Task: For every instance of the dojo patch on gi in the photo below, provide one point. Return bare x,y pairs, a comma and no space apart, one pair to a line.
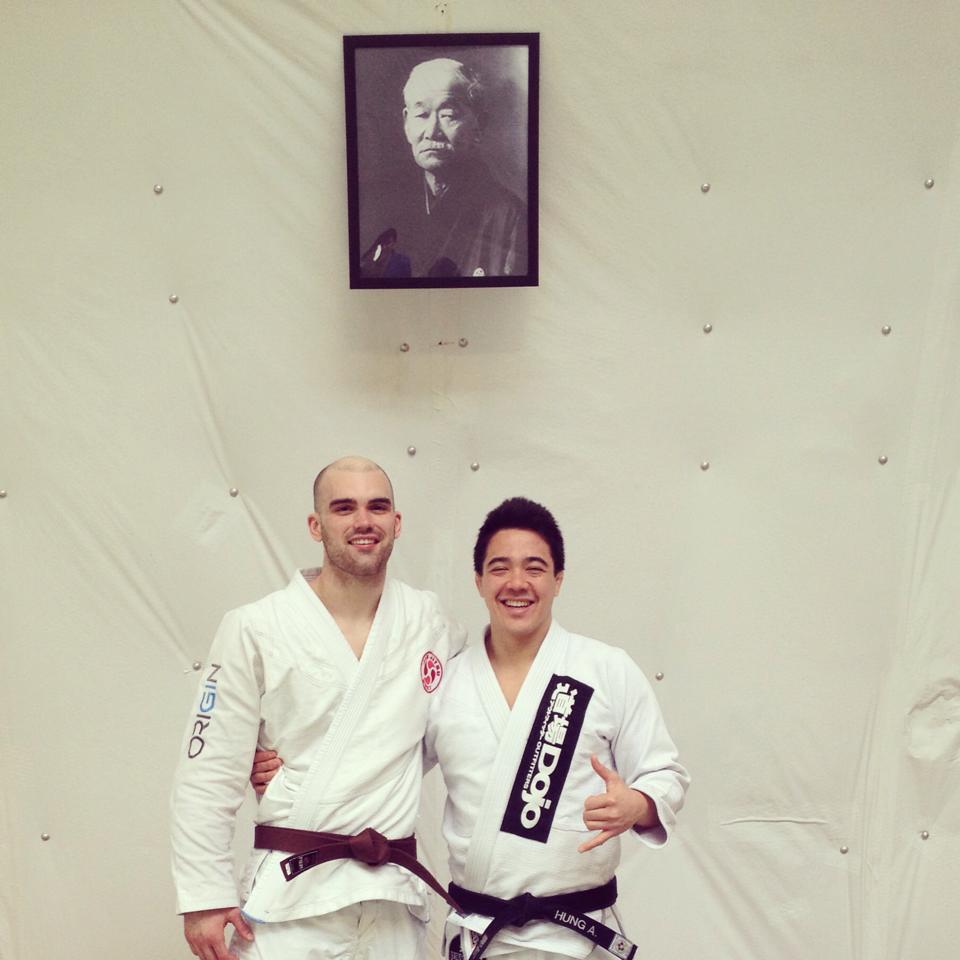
431,671
546,759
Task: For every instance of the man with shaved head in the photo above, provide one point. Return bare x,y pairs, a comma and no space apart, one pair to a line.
449,217
552,746
335,673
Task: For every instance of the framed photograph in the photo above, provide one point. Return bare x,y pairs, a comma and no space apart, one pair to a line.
442,159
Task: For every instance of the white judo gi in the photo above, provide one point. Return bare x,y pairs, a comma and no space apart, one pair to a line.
517,778
281,675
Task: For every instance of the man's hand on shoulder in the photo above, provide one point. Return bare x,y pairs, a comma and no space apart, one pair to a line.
617,809
266,763
204,931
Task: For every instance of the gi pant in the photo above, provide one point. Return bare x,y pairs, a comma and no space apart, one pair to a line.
596,954
371,930
455,936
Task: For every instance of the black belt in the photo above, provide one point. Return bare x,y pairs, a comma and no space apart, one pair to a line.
564,909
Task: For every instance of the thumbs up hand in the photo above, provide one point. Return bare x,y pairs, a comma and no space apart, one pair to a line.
615,810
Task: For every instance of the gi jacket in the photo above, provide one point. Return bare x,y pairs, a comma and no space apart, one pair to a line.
281,674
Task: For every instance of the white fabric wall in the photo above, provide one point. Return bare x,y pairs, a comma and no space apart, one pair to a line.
799,597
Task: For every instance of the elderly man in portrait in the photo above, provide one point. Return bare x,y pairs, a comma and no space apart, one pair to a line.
450,217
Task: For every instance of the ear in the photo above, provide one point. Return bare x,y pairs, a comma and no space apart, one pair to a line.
313,525
397,524
559,579
476,579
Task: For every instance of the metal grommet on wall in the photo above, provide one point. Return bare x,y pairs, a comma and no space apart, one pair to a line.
174,298
704,187
705,465
404,347
475,466
928,183
158,188
196,664
234,492
411,451
886,330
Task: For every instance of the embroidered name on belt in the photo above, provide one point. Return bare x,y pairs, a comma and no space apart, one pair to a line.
546,759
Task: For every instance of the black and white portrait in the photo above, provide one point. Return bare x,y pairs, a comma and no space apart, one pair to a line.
441,138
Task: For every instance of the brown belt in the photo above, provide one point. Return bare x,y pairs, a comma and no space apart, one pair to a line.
368,846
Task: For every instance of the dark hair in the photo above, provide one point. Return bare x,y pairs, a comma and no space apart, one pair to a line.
519,513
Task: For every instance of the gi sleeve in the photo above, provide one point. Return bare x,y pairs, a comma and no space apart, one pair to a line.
643,752
430,739
448,638
214,767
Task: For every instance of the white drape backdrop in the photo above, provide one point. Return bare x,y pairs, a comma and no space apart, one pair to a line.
799,596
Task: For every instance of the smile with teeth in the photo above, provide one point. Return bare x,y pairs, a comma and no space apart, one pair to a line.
516,603
363,541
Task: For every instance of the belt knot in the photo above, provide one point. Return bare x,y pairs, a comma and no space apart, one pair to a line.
370,847
523,909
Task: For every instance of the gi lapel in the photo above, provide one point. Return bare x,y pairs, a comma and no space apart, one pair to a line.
352,708
511,728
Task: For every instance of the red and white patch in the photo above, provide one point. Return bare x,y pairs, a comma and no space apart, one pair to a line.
431,671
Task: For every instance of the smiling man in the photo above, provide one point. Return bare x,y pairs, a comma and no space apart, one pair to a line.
453,218
341,659
551,745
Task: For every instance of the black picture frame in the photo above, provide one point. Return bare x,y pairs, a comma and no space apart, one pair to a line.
481,230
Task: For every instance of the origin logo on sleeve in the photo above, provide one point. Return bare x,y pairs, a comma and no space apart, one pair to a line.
546,759
208,700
